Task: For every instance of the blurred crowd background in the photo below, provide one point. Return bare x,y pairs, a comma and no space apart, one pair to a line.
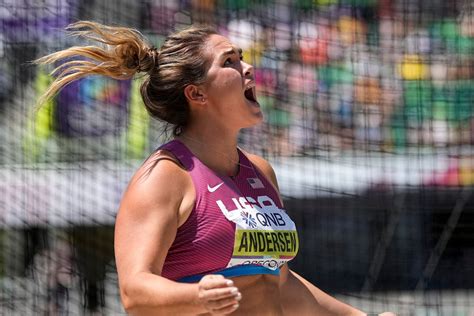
332,75
369,122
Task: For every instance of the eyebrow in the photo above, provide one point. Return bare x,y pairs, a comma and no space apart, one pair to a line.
232,51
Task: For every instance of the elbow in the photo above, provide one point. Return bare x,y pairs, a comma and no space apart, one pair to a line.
129,300
135,302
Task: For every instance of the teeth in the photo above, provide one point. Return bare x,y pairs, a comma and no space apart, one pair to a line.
250,86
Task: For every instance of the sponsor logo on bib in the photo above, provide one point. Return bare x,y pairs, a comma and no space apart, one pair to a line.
264,233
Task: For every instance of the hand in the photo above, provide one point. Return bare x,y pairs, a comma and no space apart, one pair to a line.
218,295
387,314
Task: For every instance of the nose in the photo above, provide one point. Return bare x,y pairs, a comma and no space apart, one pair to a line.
247,70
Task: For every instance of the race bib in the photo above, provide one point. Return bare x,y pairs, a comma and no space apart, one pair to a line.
264,234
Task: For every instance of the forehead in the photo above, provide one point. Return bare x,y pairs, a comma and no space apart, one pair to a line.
218,44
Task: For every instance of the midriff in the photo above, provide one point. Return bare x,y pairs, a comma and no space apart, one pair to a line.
260,295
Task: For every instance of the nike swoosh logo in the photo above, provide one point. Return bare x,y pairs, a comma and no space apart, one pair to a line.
214,188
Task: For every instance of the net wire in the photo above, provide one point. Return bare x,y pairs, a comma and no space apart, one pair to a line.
369,125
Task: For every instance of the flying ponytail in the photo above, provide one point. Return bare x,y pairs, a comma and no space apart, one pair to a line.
122,52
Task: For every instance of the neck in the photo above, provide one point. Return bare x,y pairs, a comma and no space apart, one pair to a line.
216,148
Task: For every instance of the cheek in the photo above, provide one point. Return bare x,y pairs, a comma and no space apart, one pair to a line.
225,83
230,78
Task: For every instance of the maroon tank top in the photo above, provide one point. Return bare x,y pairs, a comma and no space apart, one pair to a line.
237,226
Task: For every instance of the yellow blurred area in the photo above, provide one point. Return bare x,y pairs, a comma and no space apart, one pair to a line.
325,2
253,55
413,68
43,115
351,30
466,172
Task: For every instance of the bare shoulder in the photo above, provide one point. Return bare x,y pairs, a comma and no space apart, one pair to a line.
161,162
154,205
159,173
160,183
264,167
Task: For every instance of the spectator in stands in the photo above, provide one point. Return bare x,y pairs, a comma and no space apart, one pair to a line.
201,227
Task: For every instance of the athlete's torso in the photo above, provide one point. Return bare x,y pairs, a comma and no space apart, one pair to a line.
237,226
260,295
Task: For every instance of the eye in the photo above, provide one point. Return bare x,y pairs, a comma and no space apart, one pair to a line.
229,61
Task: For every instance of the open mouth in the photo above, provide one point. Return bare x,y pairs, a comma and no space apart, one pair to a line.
250,93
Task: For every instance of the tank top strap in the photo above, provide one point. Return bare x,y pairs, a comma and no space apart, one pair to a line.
246,167
181,152
250,174
200,173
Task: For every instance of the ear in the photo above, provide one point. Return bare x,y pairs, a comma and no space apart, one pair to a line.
194,94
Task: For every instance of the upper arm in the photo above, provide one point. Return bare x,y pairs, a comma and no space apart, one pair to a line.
149,217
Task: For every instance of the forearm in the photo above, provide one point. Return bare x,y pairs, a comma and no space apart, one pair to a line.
299,297
150,294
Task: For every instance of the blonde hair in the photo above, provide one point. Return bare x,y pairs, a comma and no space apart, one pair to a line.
124,52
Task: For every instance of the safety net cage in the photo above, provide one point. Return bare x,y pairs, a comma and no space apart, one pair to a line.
368,122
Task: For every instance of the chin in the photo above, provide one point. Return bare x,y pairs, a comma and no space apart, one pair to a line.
256,120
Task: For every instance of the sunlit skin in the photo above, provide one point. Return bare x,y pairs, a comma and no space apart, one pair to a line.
219,107
227,80
161,196
216,122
